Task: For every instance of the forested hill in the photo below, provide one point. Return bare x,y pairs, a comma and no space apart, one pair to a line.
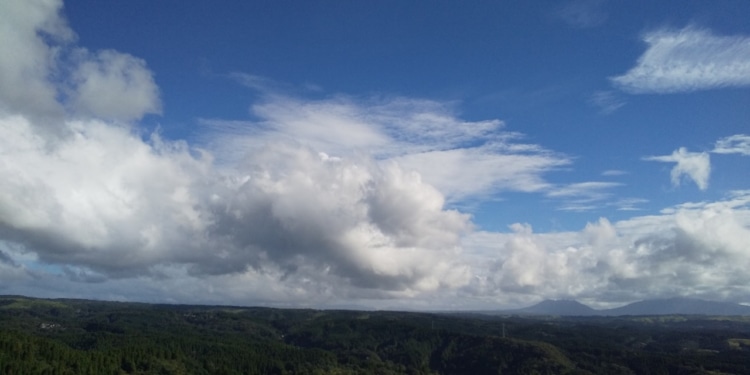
668,306
89,337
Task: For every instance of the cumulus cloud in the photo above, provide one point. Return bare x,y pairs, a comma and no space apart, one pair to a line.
96,203
40,64
27,61
463,159
694,165
331,199
113,85
697,250
107,201
734,144
689,59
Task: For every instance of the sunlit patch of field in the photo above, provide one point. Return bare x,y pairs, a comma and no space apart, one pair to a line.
22,303
738,343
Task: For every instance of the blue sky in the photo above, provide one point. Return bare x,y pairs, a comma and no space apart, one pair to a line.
376,154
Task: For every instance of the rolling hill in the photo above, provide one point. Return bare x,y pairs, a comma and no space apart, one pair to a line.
669,306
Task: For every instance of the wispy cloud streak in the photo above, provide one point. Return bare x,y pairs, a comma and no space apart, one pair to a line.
689,59
734,144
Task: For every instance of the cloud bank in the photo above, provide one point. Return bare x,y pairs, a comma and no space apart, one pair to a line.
96,201
696,249
686,60
106,200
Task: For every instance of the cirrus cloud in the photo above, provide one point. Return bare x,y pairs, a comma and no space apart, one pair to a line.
734,144
686,60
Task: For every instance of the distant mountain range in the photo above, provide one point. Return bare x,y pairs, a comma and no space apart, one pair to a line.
670,306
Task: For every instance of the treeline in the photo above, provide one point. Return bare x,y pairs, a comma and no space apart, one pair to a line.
87,337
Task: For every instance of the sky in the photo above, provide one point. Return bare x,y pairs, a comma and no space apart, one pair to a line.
375,155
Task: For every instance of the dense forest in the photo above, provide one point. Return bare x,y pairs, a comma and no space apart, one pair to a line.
91,337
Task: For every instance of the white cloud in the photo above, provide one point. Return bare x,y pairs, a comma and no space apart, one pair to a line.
734,144
583,13
470,173
462,159
606,101
696,250
688,60
695,165
90,196
26,61
97,204
628,204
151,210
582,189
614,172
106,201
253,81
296,211
296,208
114,85
582,196
40,64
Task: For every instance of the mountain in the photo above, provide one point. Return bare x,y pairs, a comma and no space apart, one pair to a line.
559,307
683,306
669,306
